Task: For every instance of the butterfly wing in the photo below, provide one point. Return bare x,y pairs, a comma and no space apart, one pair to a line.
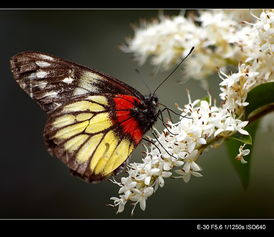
89,126
94,135
52,81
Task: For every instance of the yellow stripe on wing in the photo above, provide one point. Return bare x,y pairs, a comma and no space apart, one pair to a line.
110,154
98,99
86,134
74,143
63,121
104,152
82,106
99,123
85,152
83,116
69,131
119,156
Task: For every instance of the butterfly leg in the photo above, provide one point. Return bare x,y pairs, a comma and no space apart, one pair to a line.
162,145
170,110
160,113
151,142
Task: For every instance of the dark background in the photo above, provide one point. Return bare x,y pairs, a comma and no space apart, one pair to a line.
35,185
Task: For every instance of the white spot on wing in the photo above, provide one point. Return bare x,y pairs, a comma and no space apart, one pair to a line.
79,91
68,80
42,64
51,94
41,74
94,76
42,84
87,83
46,57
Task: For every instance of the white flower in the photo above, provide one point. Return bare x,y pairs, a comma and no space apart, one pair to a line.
242,153
127,185
236,86
187,175
120,202
148,172
141,196
160,180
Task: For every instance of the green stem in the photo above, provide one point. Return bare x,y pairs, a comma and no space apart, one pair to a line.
260,113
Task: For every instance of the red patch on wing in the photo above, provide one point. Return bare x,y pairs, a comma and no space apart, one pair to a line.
123,104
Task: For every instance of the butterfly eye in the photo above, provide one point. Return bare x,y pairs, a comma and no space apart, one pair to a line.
154,101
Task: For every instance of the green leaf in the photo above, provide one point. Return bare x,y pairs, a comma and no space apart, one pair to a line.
259,97
206,98
246,139
243,170
261,101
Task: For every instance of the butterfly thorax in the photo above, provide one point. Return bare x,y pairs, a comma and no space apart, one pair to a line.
146,112
136,115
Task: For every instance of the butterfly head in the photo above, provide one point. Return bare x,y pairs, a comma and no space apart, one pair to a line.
152,100
152,103
146,112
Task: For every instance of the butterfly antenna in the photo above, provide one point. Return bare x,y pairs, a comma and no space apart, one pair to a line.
174,70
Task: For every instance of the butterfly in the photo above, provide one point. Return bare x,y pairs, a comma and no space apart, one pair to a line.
95,121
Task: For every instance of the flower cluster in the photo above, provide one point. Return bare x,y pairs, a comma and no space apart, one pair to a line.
220,38
202,124
166,40
234,88
258,67
179,145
